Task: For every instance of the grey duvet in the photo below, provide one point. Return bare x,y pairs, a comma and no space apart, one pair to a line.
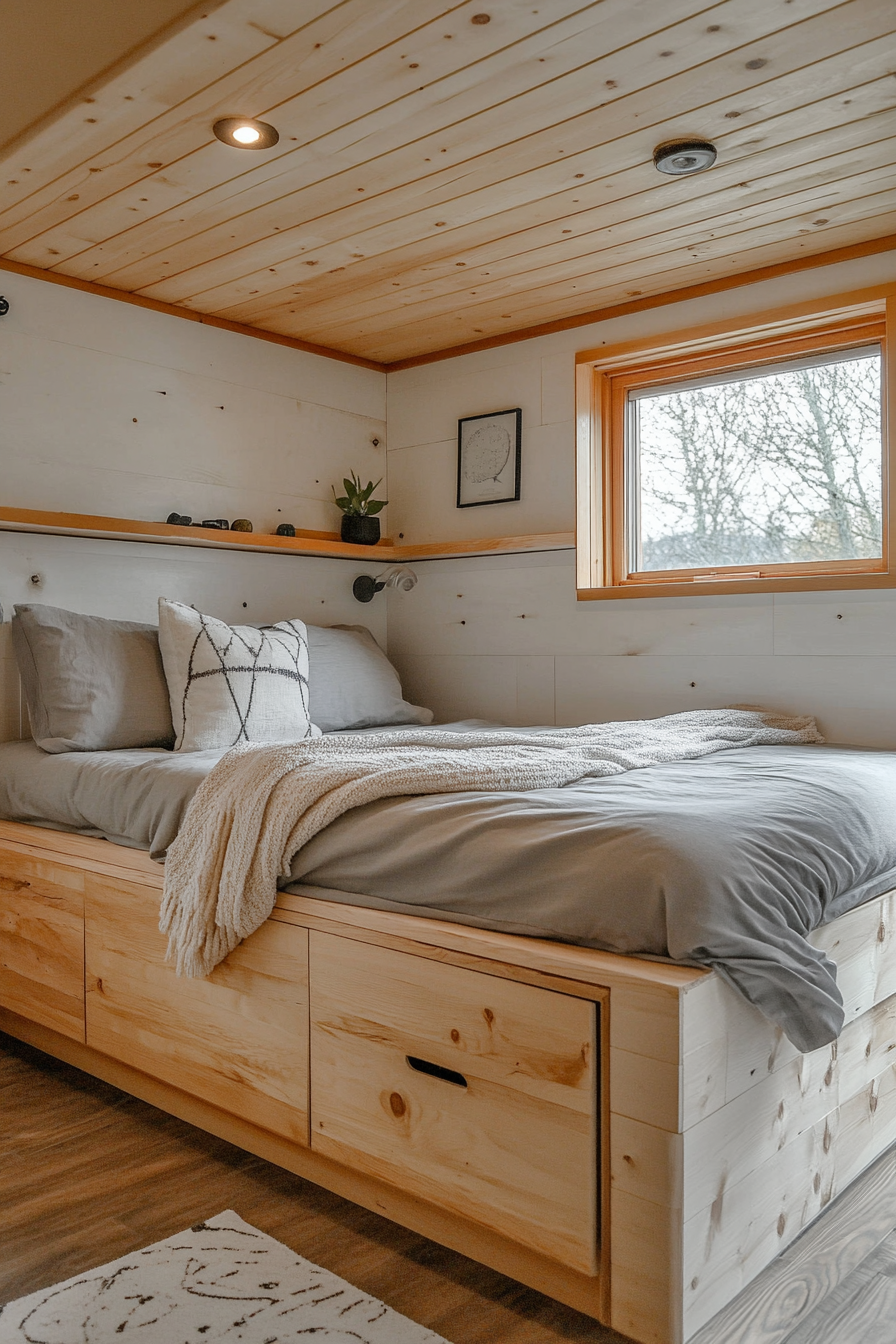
727,861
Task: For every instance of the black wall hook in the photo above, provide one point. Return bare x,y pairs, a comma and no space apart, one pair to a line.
364,588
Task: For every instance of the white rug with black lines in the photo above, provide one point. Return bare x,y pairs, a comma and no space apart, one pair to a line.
221,1280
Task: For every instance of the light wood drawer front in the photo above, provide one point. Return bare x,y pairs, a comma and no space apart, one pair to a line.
42,942
238,1039
511,1142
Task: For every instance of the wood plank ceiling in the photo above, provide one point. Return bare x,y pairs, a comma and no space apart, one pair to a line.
451,172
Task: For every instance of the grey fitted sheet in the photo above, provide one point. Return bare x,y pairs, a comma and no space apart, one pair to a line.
727,861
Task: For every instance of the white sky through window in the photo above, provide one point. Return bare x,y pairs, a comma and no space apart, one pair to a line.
772,467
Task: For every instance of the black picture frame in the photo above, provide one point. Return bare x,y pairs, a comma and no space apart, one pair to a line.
493,440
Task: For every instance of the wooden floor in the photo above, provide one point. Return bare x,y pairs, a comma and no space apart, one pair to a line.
88,1173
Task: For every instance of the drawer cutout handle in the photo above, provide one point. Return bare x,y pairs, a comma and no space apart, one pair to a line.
436,1071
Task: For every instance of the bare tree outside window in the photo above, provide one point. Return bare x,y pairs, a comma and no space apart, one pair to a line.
768,468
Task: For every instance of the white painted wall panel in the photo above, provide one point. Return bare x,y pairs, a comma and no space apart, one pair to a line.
477,687
53,313
845,623
526,604
109,408
466,619
88,432
852,700
558,400
426,412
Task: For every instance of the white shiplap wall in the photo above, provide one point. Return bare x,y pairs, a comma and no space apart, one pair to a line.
84,428
113,409
504,637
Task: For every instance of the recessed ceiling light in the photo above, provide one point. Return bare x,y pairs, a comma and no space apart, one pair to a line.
246,133
680,158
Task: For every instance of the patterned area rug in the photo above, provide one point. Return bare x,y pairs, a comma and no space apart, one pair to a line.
221,1280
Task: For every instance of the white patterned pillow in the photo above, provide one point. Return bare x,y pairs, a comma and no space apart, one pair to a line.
233,683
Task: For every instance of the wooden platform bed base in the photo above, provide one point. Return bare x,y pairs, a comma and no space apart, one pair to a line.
629,1137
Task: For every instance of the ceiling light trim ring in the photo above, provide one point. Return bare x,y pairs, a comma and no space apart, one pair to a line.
228,129
681,158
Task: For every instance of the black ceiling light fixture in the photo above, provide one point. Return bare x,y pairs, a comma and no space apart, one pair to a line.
680,158
246,133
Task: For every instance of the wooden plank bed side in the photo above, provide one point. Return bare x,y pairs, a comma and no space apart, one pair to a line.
584,1292
752,1221
42,940
82,851
770,1135
730,1046
576,963
237,1038
722,1142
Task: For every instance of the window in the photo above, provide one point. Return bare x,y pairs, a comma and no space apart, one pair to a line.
755,457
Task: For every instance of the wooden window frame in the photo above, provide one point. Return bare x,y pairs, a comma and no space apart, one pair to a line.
604,378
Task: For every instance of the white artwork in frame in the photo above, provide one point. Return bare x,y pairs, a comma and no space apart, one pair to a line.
489,449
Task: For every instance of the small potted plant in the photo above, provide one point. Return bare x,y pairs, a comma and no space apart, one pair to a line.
359,523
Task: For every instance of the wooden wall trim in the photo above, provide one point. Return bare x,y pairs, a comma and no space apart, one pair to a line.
174,310
872,247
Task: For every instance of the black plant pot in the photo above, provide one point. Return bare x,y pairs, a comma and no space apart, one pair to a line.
360,529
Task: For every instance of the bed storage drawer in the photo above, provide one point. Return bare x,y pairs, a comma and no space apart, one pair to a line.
42,941
238,1039
473,1092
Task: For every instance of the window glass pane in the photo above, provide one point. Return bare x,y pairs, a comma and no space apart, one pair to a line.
770,468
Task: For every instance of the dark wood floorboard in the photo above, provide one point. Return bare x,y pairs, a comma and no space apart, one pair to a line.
88,1173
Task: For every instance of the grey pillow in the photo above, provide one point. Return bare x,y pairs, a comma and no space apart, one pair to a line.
91,684
352,683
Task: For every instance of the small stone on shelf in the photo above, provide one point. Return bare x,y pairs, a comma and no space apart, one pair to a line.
286,530
241,525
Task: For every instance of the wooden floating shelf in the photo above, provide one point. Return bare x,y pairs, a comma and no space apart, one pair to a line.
308,543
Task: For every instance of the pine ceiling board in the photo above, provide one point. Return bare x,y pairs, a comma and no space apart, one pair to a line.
622,262
852,177
785,116
330,152
668,252
401,175
518,183
508,176
353,67
659,276
334,37
808,162
53,163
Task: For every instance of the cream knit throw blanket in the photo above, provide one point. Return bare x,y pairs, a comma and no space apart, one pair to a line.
261,804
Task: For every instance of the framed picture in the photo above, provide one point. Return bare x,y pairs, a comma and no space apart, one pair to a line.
489,448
